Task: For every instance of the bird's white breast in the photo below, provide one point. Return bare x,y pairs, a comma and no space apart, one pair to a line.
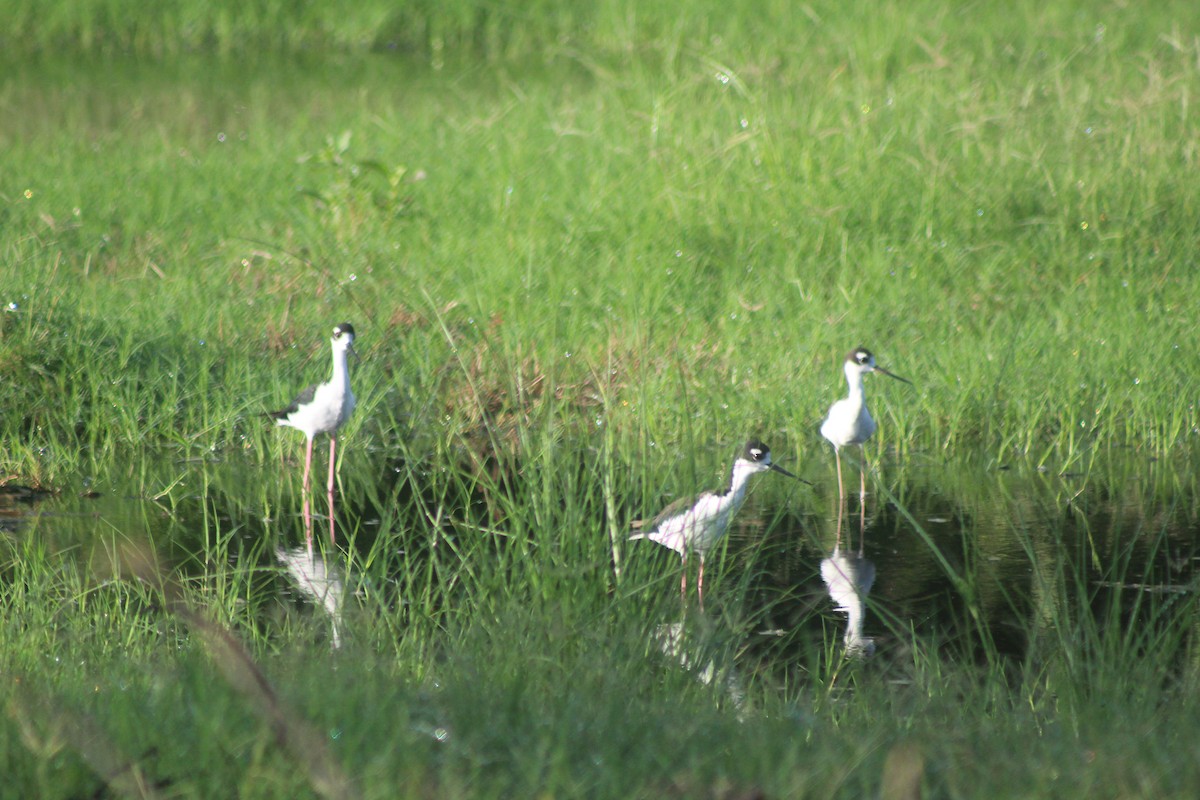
849,422
331,406
698,527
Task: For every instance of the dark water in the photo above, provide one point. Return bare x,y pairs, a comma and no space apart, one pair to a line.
987,557
981,557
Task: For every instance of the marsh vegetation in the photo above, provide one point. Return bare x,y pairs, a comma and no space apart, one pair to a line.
587,254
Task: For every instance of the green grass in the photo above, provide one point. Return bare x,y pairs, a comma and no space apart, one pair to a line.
588,251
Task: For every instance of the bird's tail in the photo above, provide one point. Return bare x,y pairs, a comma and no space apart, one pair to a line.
641,529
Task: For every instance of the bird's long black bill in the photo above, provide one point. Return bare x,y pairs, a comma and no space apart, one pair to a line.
783,471
358,358
893,375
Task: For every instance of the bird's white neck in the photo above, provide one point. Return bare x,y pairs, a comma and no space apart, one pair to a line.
341,367
742,470
854,377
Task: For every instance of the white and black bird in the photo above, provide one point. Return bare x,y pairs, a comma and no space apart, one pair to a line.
323,408
849,422
695,524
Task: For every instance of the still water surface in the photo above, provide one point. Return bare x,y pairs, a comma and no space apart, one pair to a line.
948,550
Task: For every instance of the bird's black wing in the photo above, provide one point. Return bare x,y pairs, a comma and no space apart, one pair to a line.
679,506
303,398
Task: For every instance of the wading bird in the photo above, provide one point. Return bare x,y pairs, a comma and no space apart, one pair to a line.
694,524
849,421
323,408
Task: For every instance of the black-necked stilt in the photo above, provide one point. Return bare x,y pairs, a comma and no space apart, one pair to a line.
849,421
694,524
323,408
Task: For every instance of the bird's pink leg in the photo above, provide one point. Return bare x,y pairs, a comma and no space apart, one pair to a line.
862,495
700,584
683,581
837,457
837,542
332,451
307,510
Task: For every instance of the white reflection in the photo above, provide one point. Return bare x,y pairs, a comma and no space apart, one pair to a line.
849,578
686,652
319,582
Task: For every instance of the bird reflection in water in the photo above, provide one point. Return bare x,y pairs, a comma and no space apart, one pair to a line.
849,576
697,654
319,582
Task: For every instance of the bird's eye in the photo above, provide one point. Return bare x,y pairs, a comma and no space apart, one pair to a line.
757,454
